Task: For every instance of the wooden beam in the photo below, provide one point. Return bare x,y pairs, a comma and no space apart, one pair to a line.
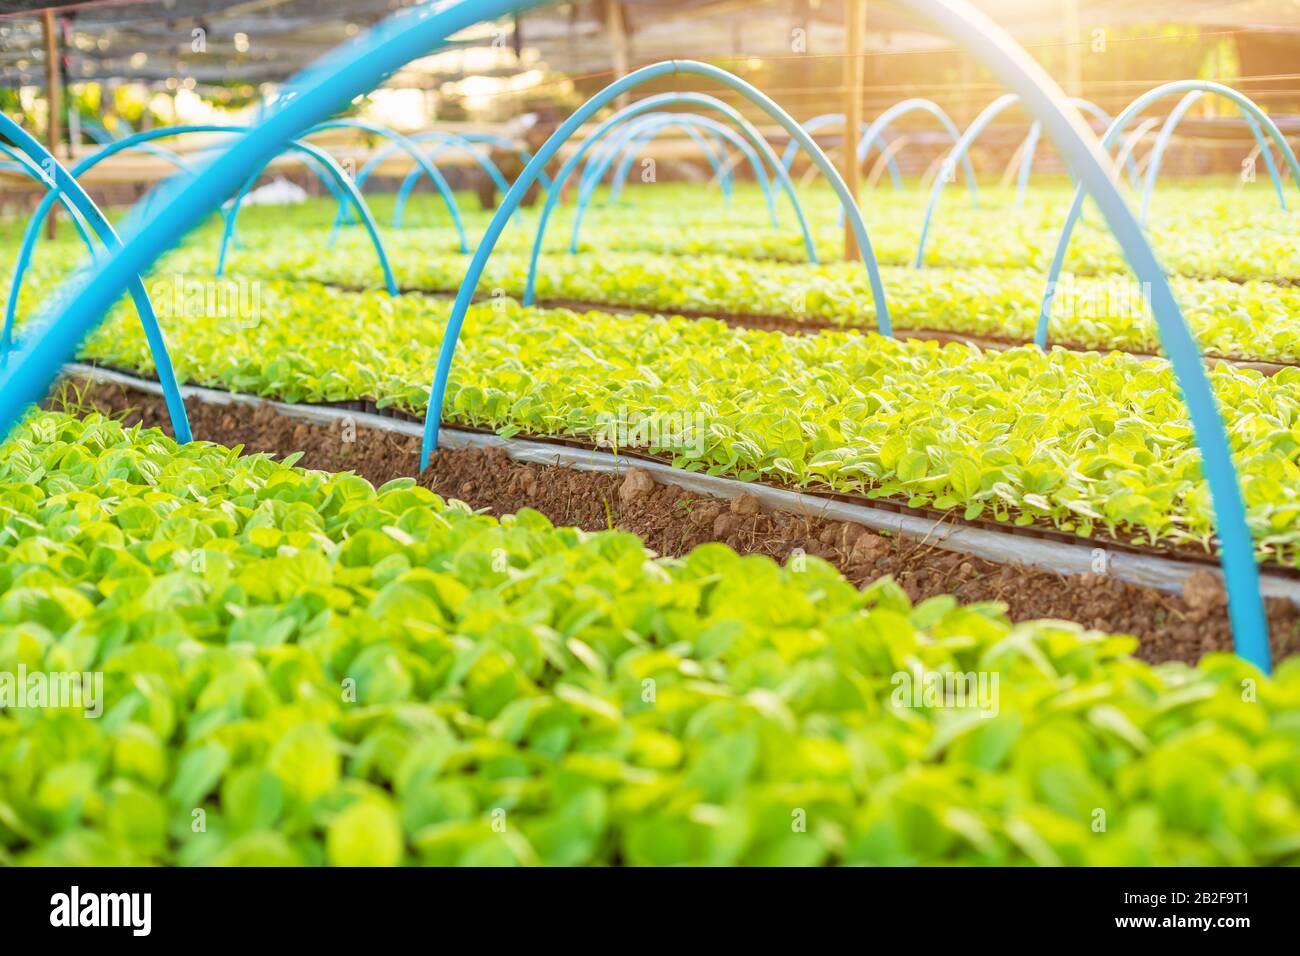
853,68
54,98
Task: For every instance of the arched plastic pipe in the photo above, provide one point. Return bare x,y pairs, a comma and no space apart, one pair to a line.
348,186
447,141
1030,147
355,68
713,148
1015,168
413,177
623,145
132,142
1101,116
959,150
1156,156
628,144
902,108
492,139
968,137
893,148
23,166
32,231
643,127
837,119
1027,162
451,332
181,164
365,62
877,127
620,175
64,184
324,175
1076,142
340,185
647,107
97,132
153,149
1166,134
316,156
1132,140
1015,160
411,150
502,142
1116,129
722,135
635,134
649,104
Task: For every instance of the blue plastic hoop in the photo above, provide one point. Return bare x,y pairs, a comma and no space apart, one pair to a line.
697,99
446,141
362,64
143,139
63,183
1116,129
647,107
411,150
1166,134
25,167
1076,141
869,139
451,333
349,189
632,141
494,139
902,108
644,129
1035,134
961,150
354,68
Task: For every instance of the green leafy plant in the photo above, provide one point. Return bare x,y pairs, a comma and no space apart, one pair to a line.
1093,444
299,668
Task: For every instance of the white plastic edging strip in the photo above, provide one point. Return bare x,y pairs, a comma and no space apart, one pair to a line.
1153,571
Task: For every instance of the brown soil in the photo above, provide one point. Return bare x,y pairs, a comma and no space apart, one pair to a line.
1040,528
672,521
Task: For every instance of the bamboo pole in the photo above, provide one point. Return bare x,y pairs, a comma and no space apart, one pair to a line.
618,48
853,25
54,99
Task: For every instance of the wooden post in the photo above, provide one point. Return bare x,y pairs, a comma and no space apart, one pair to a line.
853,24
617,30
1073,51
54,98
